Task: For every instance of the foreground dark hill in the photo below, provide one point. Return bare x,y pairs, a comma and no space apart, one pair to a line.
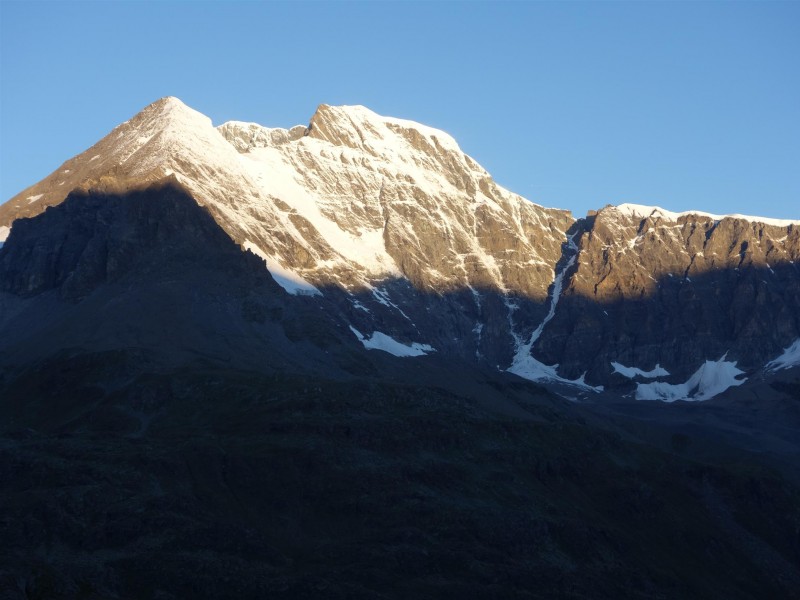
174,424
245,486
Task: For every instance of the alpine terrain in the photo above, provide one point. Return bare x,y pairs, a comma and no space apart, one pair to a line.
339,360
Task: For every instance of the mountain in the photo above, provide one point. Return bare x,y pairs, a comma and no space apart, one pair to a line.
411,240
338,360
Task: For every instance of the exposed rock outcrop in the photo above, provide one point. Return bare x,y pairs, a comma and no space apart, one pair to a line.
652,287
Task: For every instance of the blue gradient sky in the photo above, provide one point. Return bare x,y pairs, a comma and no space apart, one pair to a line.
574,105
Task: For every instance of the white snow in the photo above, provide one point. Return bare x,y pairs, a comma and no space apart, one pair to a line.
276,175
286,278
632,372
383,298
33,198
524,364
4,231
95,157
712,378
789,358
640,211
558,283
528,367
381,341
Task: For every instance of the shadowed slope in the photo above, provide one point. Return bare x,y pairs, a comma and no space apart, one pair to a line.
151,270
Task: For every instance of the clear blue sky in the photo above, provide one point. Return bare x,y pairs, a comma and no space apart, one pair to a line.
688,105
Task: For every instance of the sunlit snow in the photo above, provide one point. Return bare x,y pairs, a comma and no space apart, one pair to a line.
273,170
789,358
381,341
711,379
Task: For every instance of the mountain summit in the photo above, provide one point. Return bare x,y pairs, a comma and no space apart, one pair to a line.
390,225
336,201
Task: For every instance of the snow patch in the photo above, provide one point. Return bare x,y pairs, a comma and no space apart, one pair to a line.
383,298
527,367
33,198
789,358
712,378
4,231
558,284
286,278
381,341
357,304
524,364
632,372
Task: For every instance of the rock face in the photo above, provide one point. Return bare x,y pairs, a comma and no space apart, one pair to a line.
656,288
388,224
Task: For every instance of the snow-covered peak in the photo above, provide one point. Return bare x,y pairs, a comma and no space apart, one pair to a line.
351,200
359,127
168,114
169,103
168,111
640,211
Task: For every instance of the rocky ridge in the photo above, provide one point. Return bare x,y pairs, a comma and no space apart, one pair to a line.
652,288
